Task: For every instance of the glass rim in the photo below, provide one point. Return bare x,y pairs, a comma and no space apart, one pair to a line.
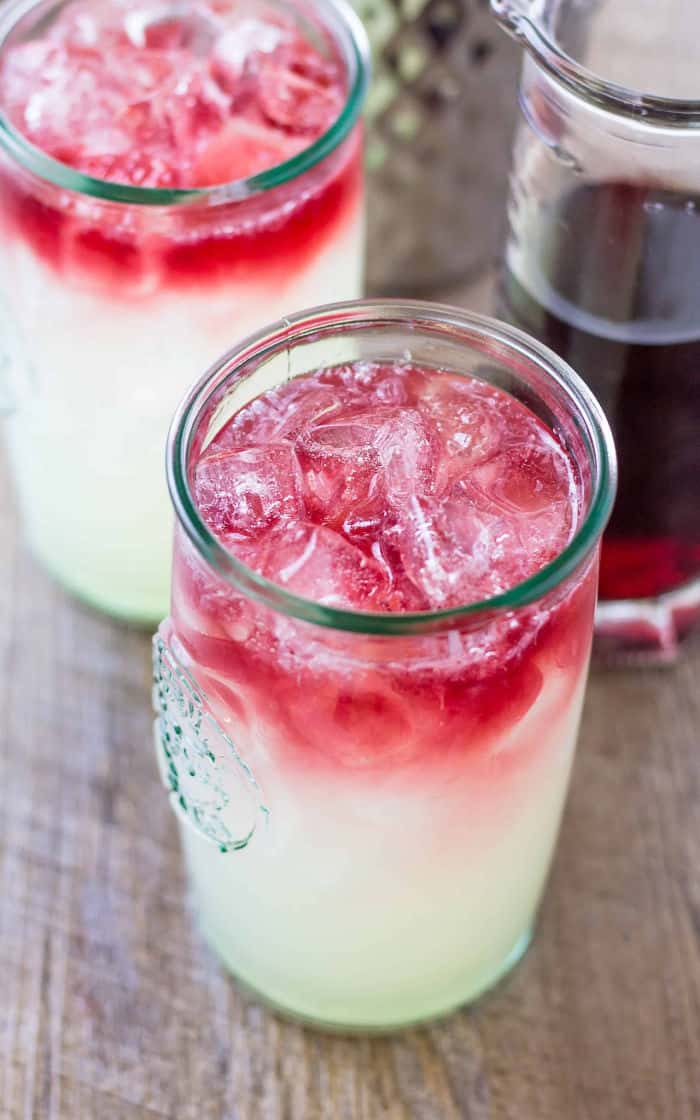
333,319
648,108
356,57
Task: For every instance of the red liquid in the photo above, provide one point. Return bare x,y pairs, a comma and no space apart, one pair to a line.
620,300
193,100
384,488
184,102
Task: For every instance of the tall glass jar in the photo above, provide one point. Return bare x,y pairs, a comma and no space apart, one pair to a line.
110,295
369,802
602,263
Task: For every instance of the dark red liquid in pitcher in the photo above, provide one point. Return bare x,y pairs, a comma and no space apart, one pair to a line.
616,292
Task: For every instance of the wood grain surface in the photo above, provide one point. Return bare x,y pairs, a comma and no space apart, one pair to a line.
111,1008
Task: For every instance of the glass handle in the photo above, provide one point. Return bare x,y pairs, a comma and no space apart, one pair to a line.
211,789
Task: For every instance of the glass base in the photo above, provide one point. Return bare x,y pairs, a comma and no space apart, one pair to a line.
646,631
422,1018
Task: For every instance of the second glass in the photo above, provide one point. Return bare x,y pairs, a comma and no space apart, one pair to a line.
111,294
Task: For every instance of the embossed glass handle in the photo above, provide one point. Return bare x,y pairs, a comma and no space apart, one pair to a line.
212,790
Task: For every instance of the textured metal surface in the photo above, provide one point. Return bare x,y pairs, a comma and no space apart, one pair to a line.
441,112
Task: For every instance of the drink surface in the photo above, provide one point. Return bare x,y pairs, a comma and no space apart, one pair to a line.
183,97
389,487
614,288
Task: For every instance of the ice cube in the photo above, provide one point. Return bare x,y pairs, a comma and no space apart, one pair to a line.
469,431
534,476
247,491
169,28
239,48
391,388
240,149
341,470
302,58
364,519
346,437
294,103
295,94
454,551
18,77
532,487
83,24
319,564
76,110
278,416
406,455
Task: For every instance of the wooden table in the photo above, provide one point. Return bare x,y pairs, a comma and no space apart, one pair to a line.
112,1009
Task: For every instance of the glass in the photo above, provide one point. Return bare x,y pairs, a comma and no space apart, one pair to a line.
601,263
369,802
441,72
111,294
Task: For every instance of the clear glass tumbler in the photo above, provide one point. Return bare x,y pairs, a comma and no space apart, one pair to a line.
110,295
601,263
369,802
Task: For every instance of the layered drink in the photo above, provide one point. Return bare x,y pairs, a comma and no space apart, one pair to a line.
370,682
171,176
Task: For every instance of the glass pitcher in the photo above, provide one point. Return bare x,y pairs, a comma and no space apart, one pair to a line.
603,263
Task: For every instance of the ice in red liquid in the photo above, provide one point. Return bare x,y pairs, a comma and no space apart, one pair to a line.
618,297
150,97
453,495
384,488
164,98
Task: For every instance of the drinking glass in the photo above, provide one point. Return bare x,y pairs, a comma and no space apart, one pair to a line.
111,294
368,803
